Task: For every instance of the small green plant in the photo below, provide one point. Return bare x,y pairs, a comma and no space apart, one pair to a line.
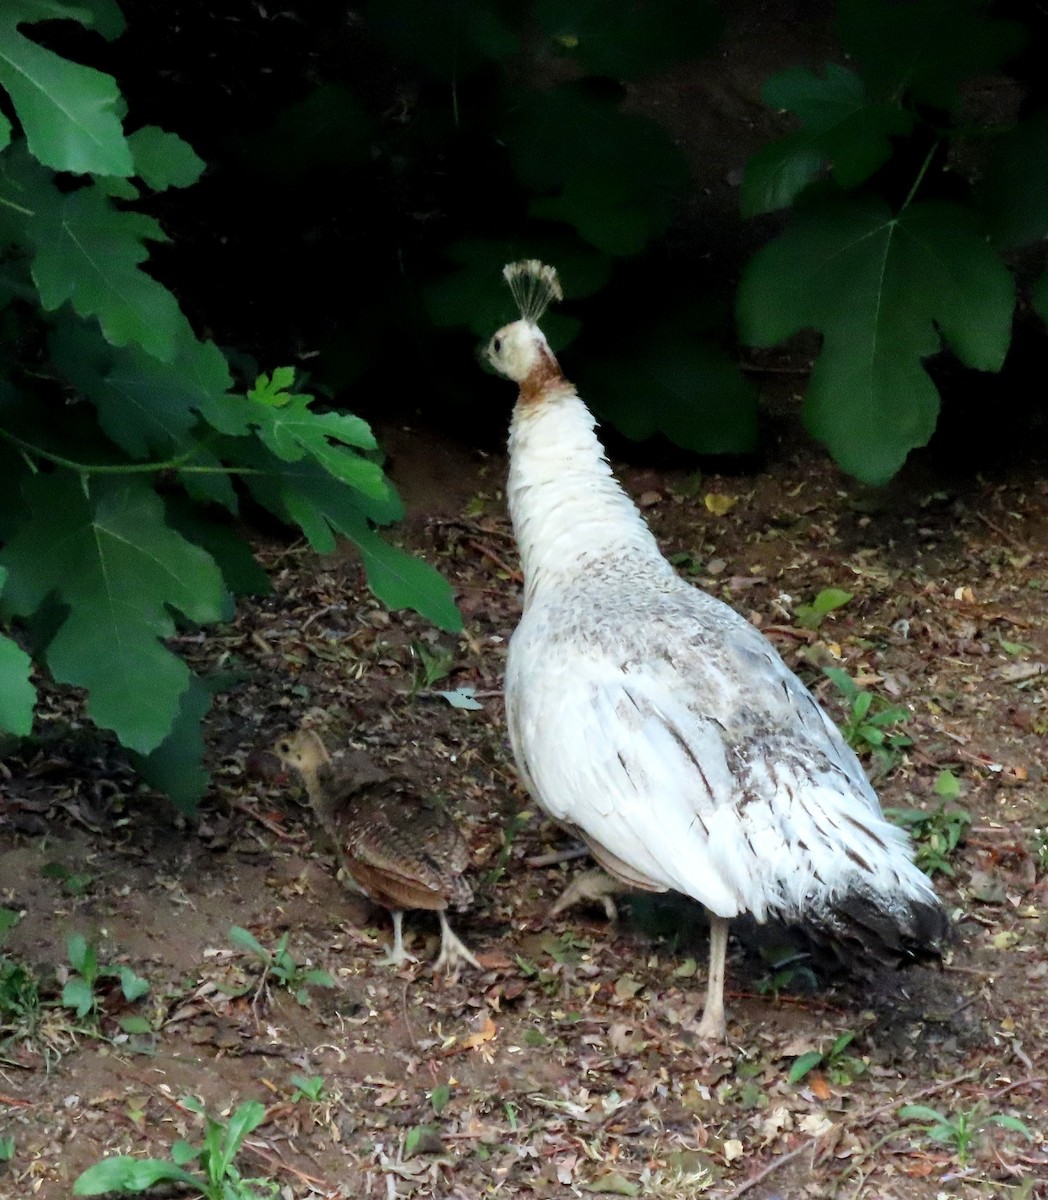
20,1005
433,666
80,990
220,1178
810,616
7,1149
279,965
936,834
73,883
510,832
868,721
789,970
308,1087
840,1068
961,1129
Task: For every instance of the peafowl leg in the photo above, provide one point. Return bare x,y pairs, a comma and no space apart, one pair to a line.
712,1026
452,949
595,885
397,955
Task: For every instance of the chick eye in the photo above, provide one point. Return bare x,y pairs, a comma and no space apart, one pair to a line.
496,345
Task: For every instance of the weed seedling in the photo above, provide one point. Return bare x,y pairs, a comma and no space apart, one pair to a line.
810,616
510,831
20,1005
280,966
308,1087
936,835
220,1178
840,1068
868,721
788,969
961,1129
80,990
7,1149
433,666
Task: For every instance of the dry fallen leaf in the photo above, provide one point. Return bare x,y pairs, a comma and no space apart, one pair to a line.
484,1034
718,503
732,1149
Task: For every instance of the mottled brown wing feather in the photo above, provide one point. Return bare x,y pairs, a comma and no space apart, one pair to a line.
403,852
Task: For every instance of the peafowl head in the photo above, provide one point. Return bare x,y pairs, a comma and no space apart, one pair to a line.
519,351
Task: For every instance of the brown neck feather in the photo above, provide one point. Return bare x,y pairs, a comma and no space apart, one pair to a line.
545,372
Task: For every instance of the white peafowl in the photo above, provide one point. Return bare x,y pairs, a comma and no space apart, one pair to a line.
654,722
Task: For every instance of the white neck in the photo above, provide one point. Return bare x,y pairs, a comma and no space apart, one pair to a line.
570,515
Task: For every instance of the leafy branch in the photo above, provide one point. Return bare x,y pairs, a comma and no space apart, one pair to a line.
120,450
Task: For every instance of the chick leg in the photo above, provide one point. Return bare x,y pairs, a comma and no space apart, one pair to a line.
452,949
595,885
712,1026
397,956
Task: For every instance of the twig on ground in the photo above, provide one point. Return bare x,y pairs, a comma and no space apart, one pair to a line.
265,822
764,1172
557,856
499,562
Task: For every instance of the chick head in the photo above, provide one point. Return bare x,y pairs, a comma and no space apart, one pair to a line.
303,751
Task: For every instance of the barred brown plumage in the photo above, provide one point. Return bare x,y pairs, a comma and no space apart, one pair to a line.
400,850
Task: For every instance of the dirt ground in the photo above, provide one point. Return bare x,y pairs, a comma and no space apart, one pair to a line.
569,1064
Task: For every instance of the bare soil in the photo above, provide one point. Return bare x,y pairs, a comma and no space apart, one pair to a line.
570,1064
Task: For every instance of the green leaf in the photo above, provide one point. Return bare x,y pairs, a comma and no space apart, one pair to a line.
105,17
7,1148
947,785
241,571
1012,1123
176,767
246,940
842,129
5,132
17,694
885,291
133,986
181,1151
439,1097
400,580
670,380
318,978
87,252
612,1184
81,955
616,177
921,1112
117,566
125,1174
163,159
135,1024
78,995
803,1064
924,48
293,430
624,39
248,1116
70,113
146,406
9,918
1014,191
